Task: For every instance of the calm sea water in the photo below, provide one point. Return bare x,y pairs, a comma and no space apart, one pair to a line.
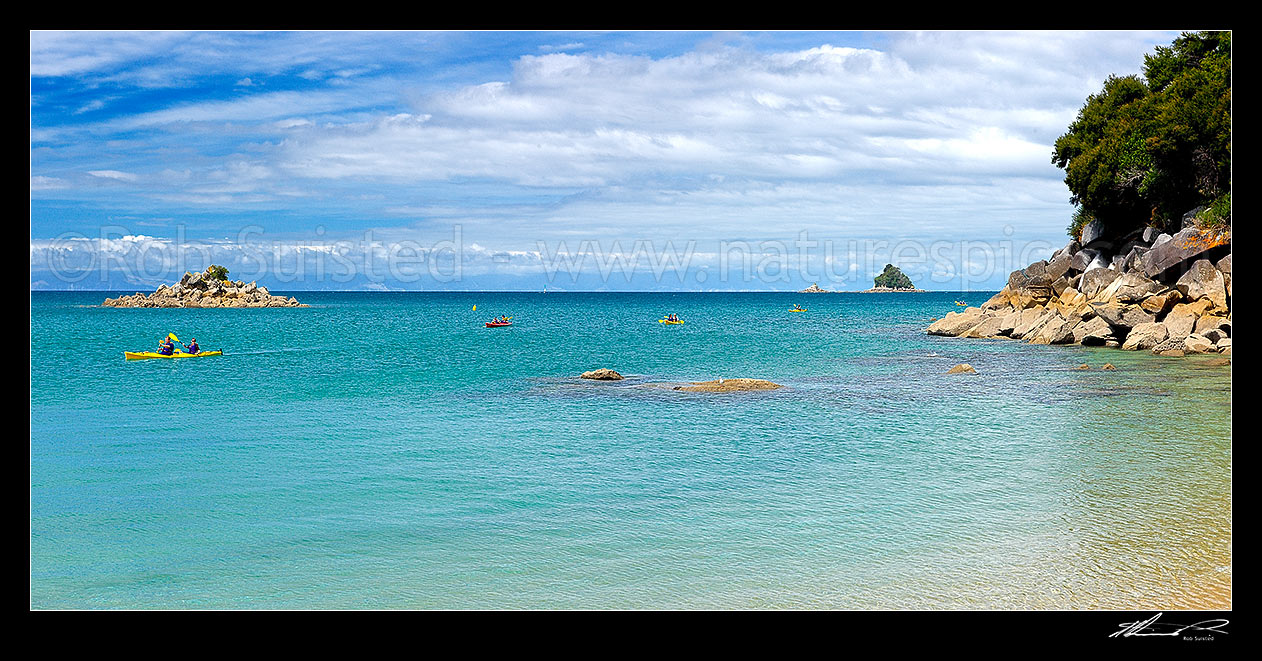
388,451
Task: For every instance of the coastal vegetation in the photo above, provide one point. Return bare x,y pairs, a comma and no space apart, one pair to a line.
892,278
1145,150
217,272
1148,267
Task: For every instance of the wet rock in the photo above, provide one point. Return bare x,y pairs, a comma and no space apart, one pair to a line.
602,374
730,385
962,368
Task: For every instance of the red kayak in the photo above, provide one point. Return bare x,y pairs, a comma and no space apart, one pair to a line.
498,324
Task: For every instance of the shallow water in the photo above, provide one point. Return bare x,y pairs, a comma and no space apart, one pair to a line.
388,451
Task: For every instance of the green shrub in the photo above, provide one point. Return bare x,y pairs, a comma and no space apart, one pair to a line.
217,272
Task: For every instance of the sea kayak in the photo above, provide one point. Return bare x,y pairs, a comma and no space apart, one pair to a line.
797,309
492,324
667,321
141,355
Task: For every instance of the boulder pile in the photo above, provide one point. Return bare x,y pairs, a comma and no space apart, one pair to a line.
1169,294
200,290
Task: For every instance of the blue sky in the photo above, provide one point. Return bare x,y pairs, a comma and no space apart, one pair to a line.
510,160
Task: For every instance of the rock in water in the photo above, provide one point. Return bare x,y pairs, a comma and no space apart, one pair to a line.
602,374
730,385
962,368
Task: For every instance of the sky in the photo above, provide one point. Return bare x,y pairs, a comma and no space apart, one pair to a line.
641,160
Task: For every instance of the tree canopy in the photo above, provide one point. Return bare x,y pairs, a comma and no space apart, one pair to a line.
1145,151
893,278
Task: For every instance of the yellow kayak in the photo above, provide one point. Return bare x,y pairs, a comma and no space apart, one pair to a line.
141,355
797,309
667,321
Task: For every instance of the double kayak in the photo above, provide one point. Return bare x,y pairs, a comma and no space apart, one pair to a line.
142,355
498,324
667,321
797,309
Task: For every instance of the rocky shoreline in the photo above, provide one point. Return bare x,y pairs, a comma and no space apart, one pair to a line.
1168,294
201,290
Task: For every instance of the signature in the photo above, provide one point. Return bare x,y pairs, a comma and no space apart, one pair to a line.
1151,627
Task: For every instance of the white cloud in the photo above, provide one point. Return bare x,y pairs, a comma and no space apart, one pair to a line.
47,183
114,174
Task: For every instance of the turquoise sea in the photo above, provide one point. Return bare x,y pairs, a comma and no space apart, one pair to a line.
383,451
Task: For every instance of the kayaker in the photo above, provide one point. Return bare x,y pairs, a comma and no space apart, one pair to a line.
166,347
192,347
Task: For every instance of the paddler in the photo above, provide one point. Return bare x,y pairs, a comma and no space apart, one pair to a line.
166,347
192,347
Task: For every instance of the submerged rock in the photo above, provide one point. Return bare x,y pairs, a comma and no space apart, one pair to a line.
729,385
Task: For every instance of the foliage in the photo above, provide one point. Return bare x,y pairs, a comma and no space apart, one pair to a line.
217,272
1217,215
1143,151
893,278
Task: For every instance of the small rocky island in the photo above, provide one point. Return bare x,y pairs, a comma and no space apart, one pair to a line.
1147,290
816,289
208,289
891,280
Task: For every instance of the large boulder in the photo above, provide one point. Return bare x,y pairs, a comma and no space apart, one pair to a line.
1203,280
1057,330
1094,331
955,323
1161,301
1092,234
1198,344
1096,280
998,301
1224,267
1032,319
1031,285
1210,323
1123,316
1085,260
1145,336
1059,266
991,326
1167,260
1132,288
1180,323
